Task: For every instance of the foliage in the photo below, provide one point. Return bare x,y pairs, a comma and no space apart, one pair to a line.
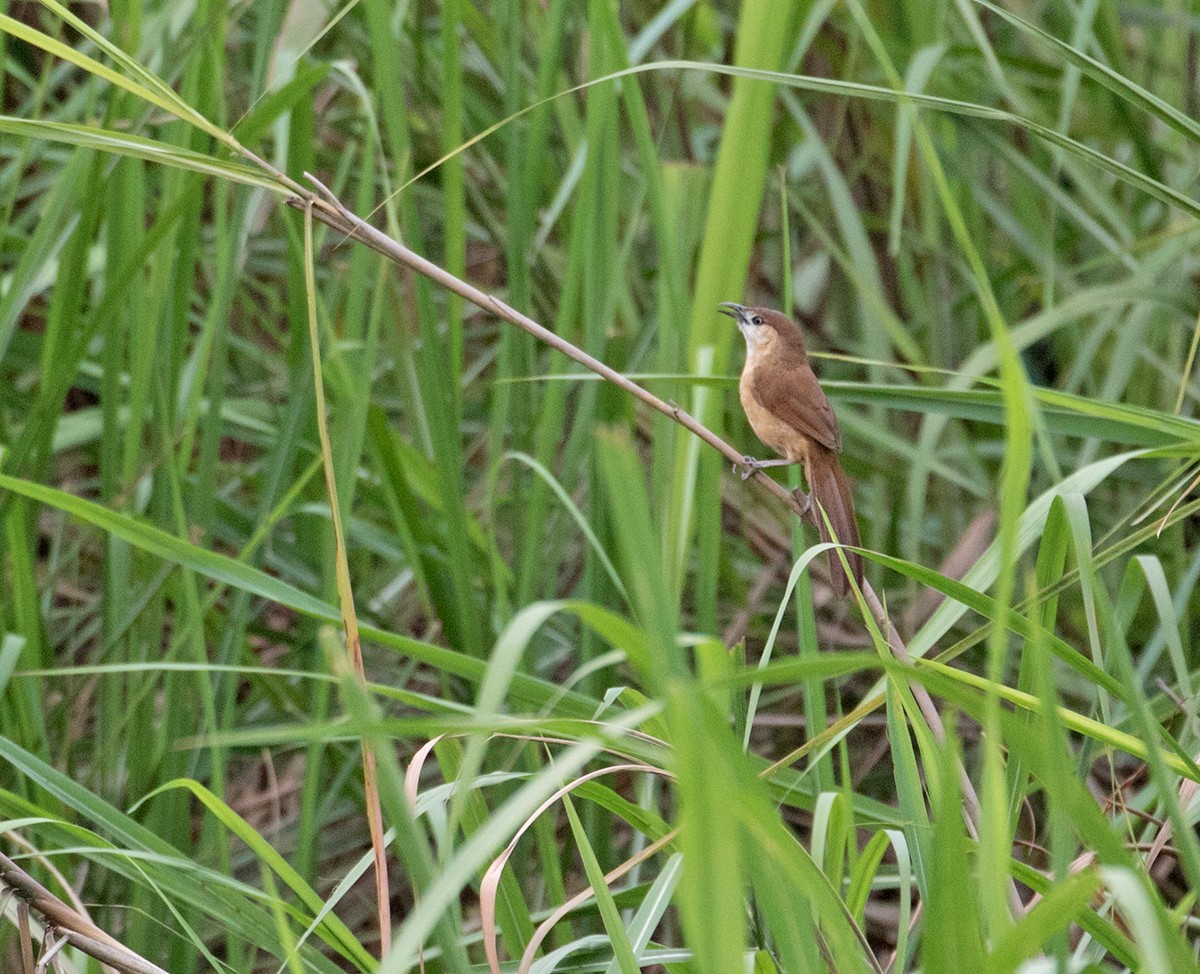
585,639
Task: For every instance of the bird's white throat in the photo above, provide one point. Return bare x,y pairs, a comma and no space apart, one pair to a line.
753,334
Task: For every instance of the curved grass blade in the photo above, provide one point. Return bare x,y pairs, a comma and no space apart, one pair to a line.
269,857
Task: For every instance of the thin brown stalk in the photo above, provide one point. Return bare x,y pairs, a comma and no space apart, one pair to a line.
383,894
66,922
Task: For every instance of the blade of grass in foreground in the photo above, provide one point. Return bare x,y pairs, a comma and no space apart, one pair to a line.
710,890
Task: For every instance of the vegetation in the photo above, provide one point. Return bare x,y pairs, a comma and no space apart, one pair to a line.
607,709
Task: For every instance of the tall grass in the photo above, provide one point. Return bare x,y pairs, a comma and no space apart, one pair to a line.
578,627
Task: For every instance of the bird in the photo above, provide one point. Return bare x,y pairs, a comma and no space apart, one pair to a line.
788,411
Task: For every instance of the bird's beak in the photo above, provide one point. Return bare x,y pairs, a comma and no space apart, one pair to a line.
735,311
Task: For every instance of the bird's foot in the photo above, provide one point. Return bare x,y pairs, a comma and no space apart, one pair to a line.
803,499
748,467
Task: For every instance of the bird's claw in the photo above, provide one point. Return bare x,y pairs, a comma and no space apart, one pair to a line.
747,467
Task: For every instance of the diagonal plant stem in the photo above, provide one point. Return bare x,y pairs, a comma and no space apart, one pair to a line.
71,925
330,210
327,208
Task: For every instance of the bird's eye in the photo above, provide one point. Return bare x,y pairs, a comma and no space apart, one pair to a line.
757,319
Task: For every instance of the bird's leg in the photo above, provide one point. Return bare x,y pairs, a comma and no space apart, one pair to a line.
803,499
749,466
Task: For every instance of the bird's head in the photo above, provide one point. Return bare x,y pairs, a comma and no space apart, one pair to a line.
762,328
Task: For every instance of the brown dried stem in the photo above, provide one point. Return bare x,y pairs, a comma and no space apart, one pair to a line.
68,923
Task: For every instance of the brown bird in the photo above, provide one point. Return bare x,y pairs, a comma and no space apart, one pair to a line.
788,411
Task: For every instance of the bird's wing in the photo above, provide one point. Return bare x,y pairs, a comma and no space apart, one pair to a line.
795,396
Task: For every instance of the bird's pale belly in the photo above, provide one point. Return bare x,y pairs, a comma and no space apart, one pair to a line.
778,435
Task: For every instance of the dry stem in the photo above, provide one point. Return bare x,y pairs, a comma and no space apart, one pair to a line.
70,924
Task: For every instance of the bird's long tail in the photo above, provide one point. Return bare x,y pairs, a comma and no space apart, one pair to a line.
830,489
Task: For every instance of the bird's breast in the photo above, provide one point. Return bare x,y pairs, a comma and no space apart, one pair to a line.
781,437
